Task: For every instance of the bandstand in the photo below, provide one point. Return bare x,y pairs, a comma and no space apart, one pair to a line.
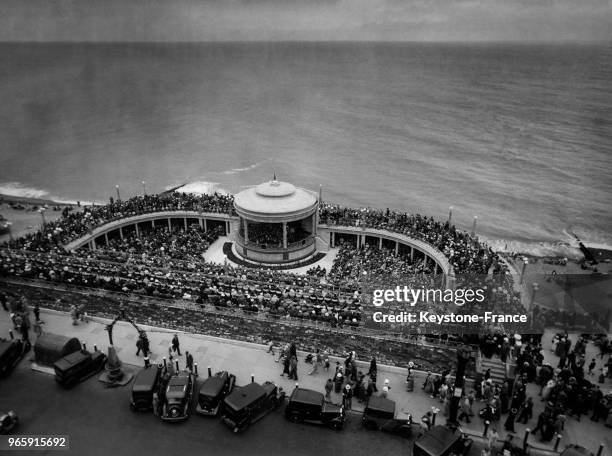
277,223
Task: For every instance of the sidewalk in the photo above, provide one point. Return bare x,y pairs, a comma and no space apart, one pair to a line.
244,359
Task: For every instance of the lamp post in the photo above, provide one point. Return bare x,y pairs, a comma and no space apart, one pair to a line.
450,216
118,195
532,302
42,215
10,232
525,263
144,188
474,225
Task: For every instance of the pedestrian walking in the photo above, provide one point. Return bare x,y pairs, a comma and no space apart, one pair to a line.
139,346
329,386
24,329
293,368
37,312
189,361
176,345
465,410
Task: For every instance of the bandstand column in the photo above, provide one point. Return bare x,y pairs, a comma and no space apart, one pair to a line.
396,247
379,243
201,224
246,231
411,254
314,224
121,233
137,231
106,238
227,228
153,223
333,239
169,225
205,225
185,222
425,262
284,235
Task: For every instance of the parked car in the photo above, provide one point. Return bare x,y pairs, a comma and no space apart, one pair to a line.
380,414
307,405
213,391
248,404
78,366
146,383
177,397
8,421
11,352
442,441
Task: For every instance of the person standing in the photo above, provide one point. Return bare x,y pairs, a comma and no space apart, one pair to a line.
465,410
24,330
293,368
189,361
37,312
329,386
347,397
176,345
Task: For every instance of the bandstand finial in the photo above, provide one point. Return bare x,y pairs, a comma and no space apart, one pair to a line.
274,178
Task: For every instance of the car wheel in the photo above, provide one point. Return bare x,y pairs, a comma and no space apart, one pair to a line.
296,417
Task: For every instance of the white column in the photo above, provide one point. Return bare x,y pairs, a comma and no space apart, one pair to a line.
333,239
246,231
137,230
106,238
153,223
411,253
201,224
205,225
379,243
396,247
169,225
121,232
284,235
185,222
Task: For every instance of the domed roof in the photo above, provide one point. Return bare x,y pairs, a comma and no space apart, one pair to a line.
274,198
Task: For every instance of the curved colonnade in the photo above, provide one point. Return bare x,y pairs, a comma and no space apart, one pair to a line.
331,234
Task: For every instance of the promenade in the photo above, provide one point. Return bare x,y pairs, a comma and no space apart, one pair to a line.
244,359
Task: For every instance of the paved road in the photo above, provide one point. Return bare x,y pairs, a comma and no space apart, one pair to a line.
100,422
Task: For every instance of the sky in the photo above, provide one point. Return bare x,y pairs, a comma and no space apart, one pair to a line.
245,20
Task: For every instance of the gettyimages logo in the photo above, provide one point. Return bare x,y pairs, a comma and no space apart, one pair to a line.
412,297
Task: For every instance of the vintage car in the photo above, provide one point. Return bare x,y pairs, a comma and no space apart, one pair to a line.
8,421
309,406
78,366
380,414
213,391
11,352
248,404
177,397
146,383
442,441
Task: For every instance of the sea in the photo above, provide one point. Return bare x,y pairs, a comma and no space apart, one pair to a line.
519,135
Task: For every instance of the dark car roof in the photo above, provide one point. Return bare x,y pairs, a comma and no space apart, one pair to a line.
381,404
145,379
244,395
177,386
213,385
72,359
307,396
437,441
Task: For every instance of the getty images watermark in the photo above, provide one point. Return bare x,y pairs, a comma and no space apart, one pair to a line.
430,297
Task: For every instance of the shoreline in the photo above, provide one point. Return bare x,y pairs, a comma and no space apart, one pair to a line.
601,253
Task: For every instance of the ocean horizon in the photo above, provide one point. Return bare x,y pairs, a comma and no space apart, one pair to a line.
517,134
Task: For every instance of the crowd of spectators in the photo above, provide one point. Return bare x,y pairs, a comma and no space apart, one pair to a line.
74,224
463,253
